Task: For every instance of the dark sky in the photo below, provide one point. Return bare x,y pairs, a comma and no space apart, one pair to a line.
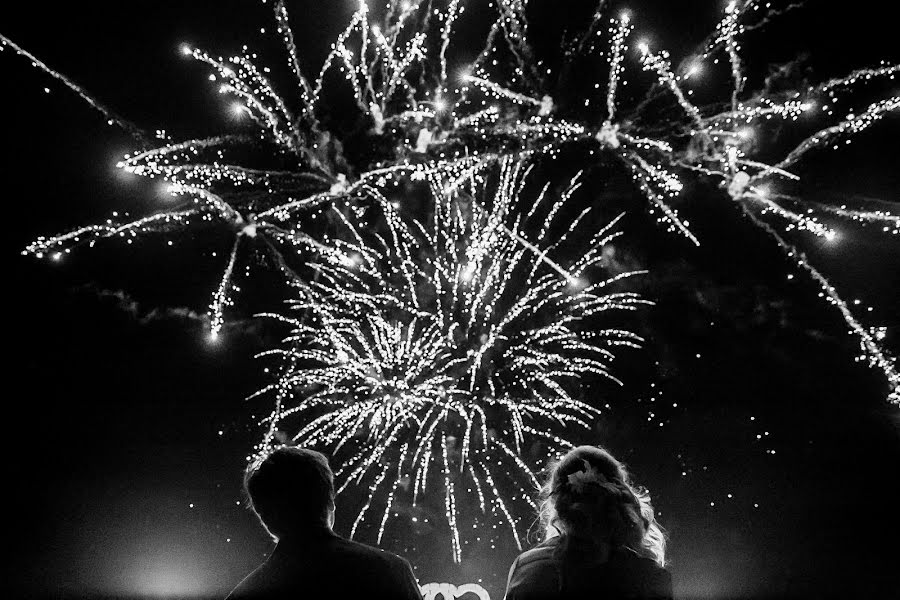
127,431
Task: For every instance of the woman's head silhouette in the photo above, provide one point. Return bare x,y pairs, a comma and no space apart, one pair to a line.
589,500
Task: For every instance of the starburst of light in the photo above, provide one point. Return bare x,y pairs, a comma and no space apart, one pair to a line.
440,351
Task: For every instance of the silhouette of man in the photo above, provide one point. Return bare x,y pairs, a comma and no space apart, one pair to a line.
292,493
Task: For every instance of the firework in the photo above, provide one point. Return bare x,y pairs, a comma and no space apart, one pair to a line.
440,351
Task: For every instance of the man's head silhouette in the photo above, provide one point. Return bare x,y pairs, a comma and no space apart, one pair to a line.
291,490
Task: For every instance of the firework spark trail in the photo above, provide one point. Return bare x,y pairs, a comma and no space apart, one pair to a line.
111,117
771,13
453,11
871,351
287,35
207,207
790,109
358,20
852,124
615,64
656,184
659,63
260,101
63,244
802,222
436,356
385,57
890,221
501,92
514,24
585,42
858,76
222,297
727,30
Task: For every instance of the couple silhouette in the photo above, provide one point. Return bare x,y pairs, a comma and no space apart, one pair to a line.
601,538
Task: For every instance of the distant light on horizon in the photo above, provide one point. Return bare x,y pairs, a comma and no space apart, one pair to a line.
169,576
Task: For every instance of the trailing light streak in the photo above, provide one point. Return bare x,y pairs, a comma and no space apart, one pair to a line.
111,117
870,350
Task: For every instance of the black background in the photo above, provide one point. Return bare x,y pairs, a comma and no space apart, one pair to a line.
120,414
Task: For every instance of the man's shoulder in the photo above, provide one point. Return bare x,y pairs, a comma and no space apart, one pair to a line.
381,573
353,549
335,567
255,584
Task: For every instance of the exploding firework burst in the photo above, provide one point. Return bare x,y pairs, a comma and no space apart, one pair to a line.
441,351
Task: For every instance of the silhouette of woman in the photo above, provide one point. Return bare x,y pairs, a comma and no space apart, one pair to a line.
601,538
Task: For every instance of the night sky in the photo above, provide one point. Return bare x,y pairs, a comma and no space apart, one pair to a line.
127,431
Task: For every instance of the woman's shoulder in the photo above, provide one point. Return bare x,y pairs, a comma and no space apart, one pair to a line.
534,574
655,581
542,553
627,557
